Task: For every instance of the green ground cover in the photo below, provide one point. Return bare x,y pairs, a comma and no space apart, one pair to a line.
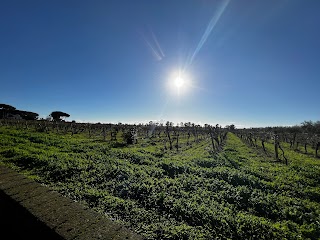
240,193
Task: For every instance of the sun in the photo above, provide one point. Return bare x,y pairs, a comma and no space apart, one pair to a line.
179,82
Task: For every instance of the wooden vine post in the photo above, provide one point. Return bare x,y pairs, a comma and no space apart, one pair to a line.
168,134
276,145
263,140
104,133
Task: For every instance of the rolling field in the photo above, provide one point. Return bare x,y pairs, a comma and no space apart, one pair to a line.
238,193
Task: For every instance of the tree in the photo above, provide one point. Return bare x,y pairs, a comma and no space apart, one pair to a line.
57,115
27,115
5,109
231,127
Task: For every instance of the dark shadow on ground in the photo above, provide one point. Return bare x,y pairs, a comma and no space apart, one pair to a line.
17,223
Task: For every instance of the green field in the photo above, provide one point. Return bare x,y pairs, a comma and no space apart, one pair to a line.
238,193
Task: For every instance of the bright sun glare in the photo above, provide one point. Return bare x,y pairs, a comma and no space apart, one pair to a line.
179,83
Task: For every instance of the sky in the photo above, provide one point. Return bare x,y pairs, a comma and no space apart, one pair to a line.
250,63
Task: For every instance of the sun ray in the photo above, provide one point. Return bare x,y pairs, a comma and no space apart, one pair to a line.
213,22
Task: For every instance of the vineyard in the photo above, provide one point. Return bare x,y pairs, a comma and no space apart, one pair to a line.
178,182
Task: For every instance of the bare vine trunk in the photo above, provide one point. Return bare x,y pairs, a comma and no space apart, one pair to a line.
276,147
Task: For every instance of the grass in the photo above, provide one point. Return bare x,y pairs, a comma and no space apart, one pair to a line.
240,193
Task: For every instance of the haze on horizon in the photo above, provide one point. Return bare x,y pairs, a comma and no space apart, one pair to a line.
248,63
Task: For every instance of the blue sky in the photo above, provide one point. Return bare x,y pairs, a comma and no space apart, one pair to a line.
248,63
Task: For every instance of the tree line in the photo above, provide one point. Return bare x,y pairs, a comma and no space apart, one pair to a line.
10,112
